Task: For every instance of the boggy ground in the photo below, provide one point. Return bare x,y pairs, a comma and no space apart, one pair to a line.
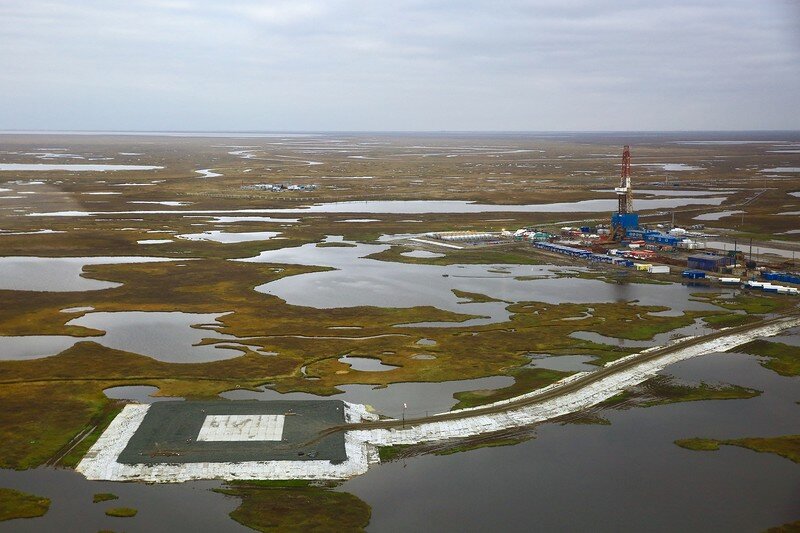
63,393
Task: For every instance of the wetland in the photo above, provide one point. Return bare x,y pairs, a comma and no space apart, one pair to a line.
219,291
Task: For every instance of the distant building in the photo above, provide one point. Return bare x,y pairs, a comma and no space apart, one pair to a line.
709,262
694,274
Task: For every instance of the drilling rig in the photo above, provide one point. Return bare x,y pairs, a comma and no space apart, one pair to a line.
624,219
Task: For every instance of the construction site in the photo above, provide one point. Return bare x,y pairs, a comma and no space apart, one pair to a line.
699,257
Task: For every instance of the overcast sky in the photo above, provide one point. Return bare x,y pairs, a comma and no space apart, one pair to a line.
400,65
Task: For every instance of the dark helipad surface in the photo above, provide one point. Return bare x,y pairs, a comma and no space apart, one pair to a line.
168,433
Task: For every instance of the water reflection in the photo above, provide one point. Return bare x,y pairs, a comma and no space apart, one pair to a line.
633,460
164,336
366,364
421,398
191,506
59,274
563,363
137,393
358,281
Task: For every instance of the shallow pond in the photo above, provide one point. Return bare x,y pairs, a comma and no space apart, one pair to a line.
421,253
421,398
563,363
233,220
717,215
366,364
166,336
358,281
36,346
24,167
207,173
137,393
674,191
154,241
59,274
169,203
660,339
424,206
790,170
227,238
670,167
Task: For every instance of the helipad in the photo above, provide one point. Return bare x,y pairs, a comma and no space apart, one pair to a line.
236,431
242,427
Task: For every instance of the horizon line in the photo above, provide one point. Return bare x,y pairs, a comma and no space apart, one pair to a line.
357,131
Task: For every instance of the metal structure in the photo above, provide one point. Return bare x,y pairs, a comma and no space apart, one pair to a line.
624,191
624,219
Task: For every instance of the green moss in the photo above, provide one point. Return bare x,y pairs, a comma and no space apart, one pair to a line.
697,444
474,297
121,512
298,509
479,445
389,453
782,358
613,275
335,244
750,304
729,320
99,424
272,483
662,390
38,420
688,393
511,254
104,497
618,399
16,504
525,380
587,418
787,446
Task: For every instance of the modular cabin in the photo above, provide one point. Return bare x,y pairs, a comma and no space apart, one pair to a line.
709,262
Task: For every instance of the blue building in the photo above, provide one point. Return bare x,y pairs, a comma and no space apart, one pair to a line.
694,274
709,262
626,221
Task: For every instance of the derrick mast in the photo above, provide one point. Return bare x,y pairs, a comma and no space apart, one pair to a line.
624,219
625,191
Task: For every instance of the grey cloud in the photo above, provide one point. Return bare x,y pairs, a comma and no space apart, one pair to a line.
347,64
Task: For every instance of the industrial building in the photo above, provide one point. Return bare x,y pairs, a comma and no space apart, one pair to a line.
709,262
464,236
693,274
653,236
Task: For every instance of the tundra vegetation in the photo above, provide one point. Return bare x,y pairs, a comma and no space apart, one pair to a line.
787,446
46,403
16,504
